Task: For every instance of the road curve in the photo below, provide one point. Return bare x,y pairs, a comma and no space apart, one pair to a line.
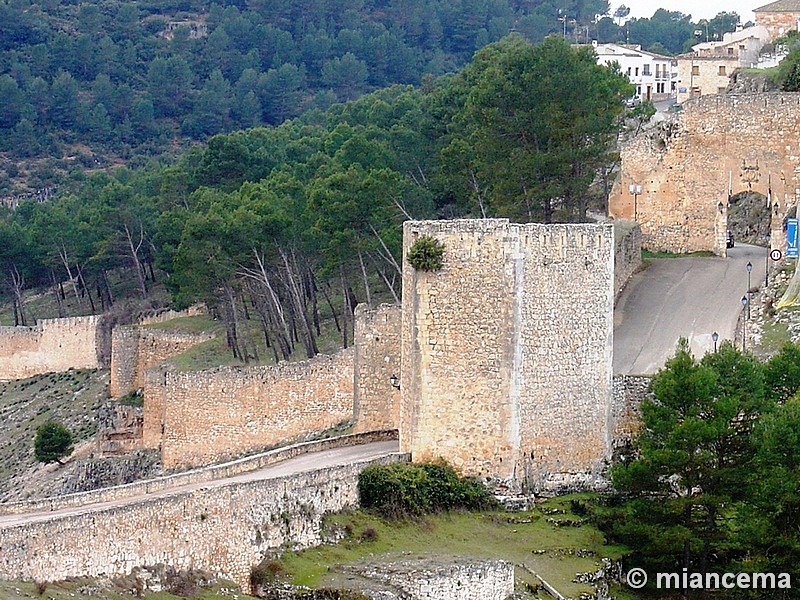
305,462
681,297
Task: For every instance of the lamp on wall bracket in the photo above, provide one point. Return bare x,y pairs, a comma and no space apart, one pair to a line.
721,207
775,208
395,381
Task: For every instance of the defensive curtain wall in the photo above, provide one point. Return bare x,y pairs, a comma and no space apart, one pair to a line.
687,166
200,417
53,345
220,529
377,364
135,349
627,253
506,351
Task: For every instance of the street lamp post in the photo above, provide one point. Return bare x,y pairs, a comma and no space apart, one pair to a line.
749,268
715,339
635,190
744,326
766,263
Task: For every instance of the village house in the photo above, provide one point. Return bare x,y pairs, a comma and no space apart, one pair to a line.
653,75
708,67
779,18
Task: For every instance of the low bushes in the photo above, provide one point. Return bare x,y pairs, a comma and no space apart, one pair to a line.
407,490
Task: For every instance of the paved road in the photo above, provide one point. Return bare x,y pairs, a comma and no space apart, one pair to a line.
681,297
300,464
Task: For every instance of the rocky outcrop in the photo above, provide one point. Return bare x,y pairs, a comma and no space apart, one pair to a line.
748,82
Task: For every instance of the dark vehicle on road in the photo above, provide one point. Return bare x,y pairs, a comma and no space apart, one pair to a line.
729,239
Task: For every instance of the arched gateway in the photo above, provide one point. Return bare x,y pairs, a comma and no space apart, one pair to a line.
693,161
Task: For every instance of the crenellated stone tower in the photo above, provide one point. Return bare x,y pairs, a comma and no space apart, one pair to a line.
506,352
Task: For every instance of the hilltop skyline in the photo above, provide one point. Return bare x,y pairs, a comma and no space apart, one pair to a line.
705,10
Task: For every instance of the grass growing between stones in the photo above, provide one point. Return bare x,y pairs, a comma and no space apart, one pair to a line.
775,335
648,254
215,352
550,541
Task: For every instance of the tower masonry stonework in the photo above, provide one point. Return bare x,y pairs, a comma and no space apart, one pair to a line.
507,352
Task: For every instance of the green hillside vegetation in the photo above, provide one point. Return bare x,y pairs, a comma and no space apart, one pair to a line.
280,229
710,486
86,86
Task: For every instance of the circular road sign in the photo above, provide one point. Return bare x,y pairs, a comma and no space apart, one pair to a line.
775,254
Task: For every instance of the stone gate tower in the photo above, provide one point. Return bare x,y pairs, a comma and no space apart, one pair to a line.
506,351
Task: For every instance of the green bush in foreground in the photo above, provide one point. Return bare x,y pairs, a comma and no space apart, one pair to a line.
404,489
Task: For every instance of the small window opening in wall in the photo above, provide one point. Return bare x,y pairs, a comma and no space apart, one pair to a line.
695,70
722,70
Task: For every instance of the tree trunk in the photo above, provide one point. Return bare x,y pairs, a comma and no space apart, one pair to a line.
86,290
234,331
386,281
107,287
347,311
18,283
330,305
309,341
133,249
58,293
65,261
366,279
284,338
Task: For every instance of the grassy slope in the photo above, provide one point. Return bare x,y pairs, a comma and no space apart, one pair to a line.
41,303
71,398
533,539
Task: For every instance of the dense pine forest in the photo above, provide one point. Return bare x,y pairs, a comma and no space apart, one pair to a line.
92,85
281,223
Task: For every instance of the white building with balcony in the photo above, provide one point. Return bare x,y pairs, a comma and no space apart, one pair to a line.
653,75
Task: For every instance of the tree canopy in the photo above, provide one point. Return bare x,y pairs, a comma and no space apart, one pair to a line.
134,81
711,483
271,223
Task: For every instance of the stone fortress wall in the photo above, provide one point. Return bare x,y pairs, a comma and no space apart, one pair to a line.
377,360
134,349
629,391
200,417
627,254
221,529
440,577
688,164
53,345
506,351
504,358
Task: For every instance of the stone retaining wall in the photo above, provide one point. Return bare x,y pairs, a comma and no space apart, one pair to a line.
229,469
224,530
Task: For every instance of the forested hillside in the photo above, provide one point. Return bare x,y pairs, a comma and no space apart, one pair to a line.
91,85
277,225
95,83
